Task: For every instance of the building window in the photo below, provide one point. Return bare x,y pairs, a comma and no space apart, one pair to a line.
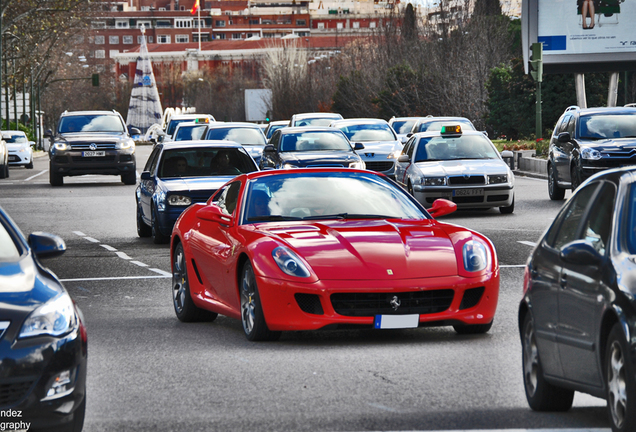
146,24
150,39
219,23
181,39
113,40
301,22
98,25
112,53
140,39
254,21
127,40
339,26
236,35
221,36
145,8
321,26
164,24
268,35
372,24
163,39
356,24
205,37
302,34
180,23
100,54
122,24
100,40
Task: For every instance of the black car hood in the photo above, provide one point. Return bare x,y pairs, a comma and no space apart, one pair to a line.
319,158
24,285
610,144
92,136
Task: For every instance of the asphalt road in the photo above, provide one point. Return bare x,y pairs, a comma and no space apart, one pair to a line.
149,372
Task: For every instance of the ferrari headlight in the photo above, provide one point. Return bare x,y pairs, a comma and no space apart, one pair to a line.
289,262
590,153
54,318
179,200
434,181
289,166
357,165
60,146
476,256
498,178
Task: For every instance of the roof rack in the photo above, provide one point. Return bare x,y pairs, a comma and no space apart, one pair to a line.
572,108
632,105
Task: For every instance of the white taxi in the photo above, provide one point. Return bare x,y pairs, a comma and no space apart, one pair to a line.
461,166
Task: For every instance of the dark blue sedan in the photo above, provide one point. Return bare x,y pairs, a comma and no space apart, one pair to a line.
43,347
178,174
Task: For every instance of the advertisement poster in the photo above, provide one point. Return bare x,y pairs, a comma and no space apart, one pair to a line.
587,26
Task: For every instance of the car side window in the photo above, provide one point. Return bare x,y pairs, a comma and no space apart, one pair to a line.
228,197
563,121
564,124
597,227
411,148
570,218
407,146
152,160
570,126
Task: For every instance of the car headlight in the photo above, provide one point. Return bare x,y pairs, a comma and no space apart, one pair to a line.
475,255
434,181
590,153
161,201
289,166
54,318
179,200
357,165
396,154
498,178
125,144
60,146
22,149
289,262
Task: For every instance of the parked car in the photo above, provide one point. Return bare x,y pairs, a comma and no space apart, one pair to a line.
402,126
92,142
577,316
178,174
43,344
274,126
19,148
430,123
4,159
586,141
320,248
462,166
303,147
171,126
313,119
249,135
190,131
381,145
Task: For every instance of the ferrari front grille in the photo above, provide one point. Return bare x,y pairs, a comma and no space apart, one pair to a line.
471,297
371,304
309,303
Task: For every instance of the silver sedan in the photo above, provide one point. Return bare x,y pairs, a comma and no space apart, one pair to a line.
461,166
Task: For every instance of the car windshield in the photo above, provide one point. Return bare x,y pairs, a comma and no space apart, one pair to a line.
8,249
91,123
607,126
368,132
314,141
11,139
241,135
273,128
437,125
327,195
173,123
451,148
320,121
204,162
403,126
189,133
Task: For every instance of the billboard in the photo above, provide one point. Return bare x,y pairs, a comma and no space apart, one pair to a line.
581,35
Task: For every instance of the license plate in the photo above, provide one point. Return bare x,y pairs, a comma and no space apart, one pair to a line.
13,158
468,192
93,153
396,321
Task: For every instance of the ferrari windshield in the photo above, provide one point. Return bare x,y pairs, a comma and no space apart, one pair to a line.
327,195
605,126
314,141
453,148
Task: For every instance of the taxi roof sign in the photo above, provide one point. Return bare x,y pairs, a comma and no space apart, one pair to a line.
454,129
202,120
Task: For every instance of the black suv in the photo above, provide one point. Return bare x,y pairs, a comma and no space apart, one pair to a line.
92,142
586,141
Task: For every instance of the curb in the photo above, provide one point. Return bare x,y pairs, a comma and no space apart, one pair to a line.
530,174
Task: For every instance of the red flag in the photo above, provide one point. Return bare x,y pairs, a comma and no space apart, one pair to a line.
195,7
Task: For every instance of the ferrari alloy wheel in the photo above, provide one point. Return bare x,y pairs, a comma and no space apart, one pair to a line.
184,307
541,395
620,382
251,311
143,230
556,193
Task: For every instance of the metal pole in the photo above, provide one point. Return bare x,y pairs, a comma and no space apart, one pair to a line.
1,124
6,94
39,116
23,101
32,105
579,79
15,102
612,94
538,126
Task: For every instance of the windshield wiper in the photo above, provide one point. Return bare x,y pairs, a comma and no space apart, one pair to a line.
349,216
272,218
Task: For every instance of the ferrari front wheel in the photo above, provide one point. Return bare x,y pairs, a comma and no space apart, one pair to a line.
252,316
184,307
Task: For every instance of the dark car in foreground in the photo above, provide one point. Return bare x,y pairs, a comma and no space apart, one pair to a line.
92,142
310,147
577,317
586,141
319,248
43,347
178,174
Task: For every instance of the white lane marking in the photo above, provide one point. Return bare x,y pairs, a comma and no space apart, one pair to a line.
113,278
79,233
139,263
91,239
527,243
384,408
123,255
161,272
34,176
512,266
528,430
107,247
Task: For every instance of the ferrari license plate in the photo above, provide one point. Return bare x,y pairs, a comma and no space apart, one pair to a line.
93,153
396,321
468,192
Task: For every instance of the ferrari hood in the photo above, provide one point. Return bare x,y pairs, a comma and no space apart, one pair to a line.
463,167
371,249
